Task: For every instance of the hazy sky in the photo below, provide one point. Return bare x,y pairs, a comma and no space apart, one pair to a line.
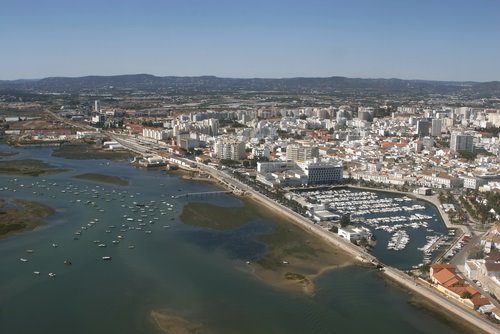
409,39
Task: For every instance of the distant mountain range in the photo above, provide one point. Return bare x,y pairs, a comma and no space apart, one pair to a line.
214,84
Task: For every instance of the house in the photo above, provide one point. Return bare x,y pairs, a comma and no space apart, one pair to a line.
471,268
496,313
492,239
449,283
353,233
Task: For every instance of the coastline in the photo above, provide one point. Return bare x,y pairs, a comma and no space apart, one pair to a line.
362,256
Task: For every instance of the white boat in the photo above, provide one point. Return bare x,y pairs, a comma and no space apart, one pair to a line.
131,247
23,259
52,275
29,251
106,258
36,272
101,245
54,245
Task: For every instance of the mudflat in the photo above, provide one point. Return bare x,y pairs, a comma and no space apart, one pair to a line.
294,256
17,215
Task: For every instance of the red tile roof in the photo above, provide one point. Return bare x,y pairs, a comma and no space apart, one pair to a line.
447,278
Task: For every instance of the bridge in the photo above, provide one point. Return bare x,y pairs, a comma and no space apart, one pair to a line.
202,194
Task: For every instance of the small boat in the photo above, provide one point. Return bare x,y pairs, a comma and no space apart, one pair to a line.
67,262
131,247
54,245
285,262
29,251
52,275
101,245
36,272
23,259
106,258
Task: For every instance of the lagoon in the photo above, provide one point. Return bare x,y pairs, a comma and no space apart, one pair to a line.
193,272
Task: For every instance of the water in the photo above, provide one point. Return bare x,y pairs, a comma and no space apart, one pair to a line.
193,272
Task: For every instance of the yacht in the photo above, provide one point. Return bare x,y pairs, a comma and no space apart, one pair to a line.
106,258
23,259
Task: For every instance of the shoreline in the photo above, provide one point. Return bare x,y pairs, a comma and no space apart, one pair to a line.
358,254
292,261
362,256
431,306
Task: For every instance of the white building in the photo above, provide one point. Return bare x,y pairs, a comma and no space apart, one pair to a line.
158,134
261,152
274,166
231,149
353,233
322,172
301,153
97,106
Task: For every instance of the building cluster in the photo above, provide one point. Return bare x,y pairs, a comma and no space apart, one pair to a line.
421,147
415,145
486,271
449,282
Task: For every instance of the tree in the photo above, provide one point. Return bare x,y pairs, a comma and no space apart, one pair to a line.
466,295
345,220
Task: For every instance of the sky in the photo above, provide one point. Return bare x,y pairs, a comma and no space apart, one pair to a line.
409,39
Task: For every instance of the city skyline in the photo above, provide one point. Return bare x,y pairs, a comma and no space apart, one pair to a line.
448,41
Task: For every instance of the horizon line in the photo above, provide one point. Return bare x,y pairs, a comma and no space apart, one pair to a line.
243,77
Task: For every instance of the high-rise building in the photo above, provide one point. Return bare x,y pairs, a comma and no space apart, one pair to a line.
301,153
214,126
436,128
233,150
97,106
461,142
423,127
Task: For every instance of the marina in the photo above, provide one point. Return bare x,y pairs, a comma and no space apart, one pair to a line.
409,233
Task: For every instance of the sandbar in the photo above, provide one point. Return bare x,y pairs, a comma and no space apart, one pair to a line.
170,323
102,178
